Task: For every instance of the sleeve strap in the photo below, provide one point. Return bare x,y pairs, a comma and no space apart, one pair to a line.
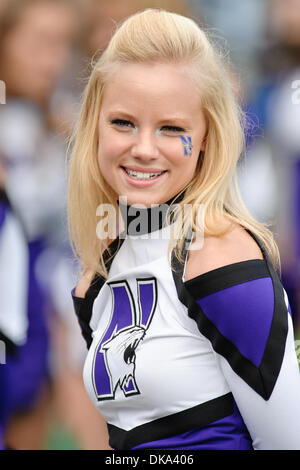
241,310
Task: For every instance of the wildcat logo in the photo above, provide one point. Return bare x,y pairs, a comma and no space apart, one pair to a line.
120,356
115,356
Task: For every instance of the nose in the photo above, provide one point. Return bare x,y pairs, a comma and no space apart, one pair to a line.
144,146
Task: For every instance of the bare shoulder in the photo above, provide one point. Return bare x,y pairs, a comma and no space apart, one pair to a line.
233,247
84,283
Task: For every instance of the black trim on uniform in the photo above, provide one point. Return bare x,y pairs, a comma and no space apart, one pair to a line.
83,306
263,378
153,218
4,197
274,351
172,425
227,276
10,347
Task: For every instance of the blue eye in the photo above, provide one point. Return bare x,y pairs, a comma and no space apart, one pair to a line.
122,123
172,129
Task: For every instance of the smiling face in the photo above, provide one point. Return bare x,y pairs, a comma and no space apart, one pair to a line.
151,131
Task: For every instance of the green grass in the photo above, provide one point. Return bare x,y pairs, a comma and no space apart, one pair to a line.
60,439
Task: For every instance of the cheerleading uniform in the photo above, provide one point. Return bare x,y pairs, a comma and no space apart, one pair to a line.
207,363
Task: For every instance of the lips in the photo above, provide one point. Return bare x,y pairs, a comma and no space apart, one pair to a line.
140,174
141,177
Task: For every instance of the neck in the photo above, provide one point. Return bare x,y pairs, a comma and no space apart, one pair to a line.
139,221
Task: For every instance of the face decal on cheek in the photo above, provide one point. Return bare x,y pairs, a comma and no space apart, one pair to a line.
187,145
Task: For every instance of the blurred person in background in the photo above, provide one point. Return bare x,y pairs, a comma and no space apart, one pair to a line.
35,44
105,15
14,284
270,177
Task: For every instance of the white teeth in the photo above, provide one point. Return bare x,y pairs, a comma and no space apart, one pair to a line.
140,175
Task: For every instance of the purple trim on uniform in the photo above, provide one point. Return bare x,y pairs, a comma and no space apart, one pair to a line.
146,293
228,433
122,317
243,314
3,211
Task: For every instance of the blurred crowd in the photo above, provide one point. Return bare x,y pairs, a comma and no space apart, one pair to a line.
46,49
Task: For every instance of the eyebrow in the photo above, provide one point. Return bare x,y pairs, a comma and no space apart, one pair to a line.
167,119
118,112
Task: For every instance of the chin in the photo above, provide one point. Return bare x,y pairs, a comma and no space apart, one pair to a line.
144,200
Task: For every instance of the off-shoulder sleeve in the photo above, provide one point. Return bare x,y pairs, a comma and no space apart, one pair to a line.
83,307
243,310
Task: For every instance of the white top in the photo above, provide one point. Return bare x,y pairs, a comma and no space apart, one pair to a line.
157,357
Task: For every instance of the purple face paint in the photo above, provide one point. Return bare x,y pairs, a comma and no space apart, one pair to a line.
187,145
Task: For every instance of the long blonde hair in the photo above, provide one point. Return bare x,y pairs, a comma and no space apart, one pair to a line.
149,36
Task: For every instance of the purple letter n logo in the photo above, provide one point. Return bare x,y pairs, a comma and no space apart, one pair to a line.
114,359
